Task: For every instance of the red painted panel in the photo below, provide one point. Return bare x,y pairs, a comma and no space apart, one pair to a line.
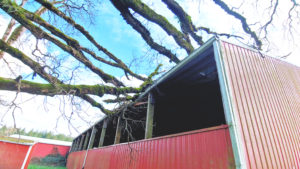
75,160
41,150
265,96
201,149
12,155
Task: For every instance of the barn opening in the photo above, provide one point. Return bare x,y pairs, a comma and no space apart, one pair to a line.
189,98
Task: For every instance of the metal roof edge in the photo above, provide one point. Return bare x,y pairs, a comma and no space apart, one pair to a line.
194,54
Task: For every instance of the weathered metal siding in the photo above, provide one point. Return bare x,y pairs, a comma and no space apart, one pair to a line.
265,96
75,160
201,149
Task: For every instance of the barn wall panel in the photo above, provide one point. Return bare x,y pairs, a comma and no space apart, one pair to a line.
75,160
12,155
201,149
265,95
41,150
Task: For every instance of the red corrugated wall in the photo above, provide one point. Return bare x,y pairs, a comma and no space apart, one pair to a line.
12,155
41,150
75,160
201,149
265,95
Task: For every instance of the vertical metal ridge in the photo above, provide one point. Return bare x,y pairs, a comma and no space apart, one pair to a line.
261,91
280,109
269,96
262,108
238,107
287,92
257,114
266,97
242,96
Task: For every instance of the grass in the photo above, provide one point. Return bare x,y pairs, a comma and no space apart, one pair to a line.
31,166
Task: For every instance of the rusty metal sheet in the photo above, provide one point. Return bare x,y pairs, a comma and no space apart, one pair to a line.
201,149
265,96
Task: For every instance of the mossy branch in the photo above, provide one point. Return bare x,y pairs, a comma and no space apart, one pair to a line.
118,63
36,67
184,19
56,85
73,47
139,27
62,89
142,9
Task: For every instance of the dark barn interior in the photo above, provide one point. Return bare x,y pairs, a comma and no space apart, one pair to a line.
133,124
195,107
190,99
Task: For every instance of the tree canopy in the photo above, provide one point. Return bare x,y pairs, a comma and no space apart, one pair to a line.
69,46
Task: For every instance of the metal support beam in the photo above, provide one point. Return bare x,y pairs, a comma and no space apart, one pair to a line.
86,140
150,114
92,139
118,131
102,136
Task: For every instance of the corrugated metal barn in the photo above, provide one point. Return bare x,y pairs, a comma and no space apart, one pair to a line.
224,106
14,155
22,151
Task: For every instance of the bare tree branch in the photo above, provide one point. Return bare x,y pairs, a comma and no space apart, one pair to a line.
265,27
242,19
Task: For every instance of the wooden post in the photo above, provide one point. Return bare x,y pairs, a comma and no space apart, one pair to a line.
86,140
74,145
118,131
102,136
81,142
149,119
92,139
77,142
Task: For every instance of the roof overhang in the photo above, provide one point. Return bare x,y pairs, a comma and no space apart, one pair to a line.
198,67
